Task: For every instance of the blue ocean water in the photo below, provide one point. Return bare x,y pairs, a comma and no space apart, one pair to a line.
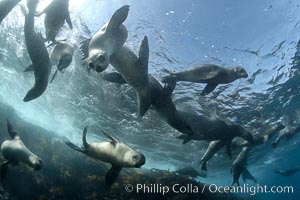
260,35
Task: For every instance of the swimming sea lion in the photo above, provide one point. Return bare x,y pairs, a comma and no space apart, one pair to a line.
287,132
212,149
161,101
207,73
287,172
105,42
14,151
61,55
6,6
38,54
211,129
116,153
134,70
57,12
239,166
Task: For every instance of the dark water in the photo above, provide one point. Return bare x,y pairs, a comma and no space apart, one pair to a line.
262,36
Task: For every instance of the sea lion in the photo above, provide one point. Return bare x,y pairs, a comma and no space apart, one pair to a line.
14,151
38,54
134,71
207,73
212,149
211,129
61,55
260,138
6,6
161,101
287,172
239,166
57,12
96,51
116,153
288,132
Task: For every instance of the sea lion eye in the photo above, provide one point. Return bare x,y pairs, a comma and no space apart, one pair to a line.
101,58
91,65
135,157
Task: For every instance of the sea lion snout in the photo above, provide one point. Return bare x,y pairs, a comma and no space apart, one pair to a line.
100,63
139,159
36,162
241,72
64,62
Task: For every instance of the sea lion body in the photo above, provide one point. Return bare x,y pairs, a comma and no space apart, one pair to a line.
57,12
287,172
106,41
162,103
212,149
207,73
134,70
14,151
38,54
288,132
61,56
6,6
239,164
212,129
114,152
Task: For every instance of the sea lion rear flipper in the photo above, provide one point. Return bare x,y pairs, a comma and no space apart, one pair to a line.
208,88
68,20
84,49
114,77
11,130
54,75
228,150
118,18
110,137
112,175
73,146
246,175
30,68
3,170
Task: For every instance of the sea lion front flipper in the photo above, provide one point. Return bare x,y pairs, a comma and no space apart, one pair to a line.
3,170
68,20
185,138
30,68
54,75
84,48
114,77
112,175
246,175
118,18
11,130
144,53
110,137
208,88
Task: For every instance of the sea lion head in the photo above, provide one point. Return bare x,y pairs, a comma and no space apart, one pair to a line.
240,72
134,159
35,162
64,62
98,61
